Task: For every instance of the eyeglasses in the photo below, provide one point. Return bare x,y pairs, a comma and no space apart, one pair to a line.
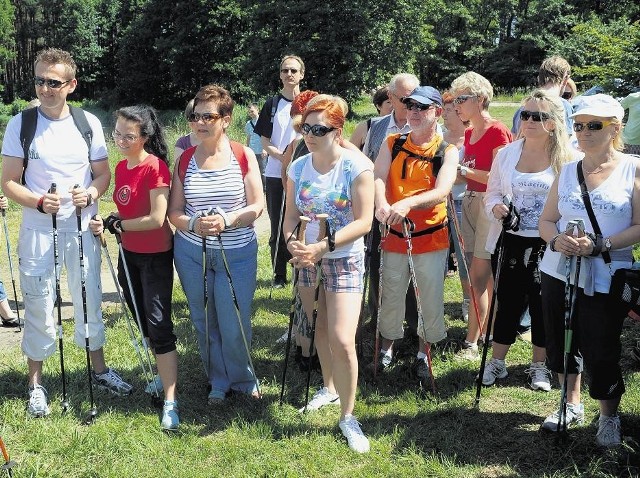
591,125
567,95
316,129
413,105
127,138
205,117
462,98
536,116
54,84
287,70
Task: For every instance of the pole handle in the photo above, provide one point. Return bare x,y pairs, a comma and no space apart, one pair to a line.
304,221
78,208
322,231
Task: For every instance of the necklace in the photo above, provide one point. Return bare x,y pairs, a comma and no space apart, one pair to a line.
595,171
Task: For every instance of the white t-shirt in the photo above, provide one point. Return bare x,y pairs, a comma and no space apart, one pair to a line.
281,135
530,192
328,193
58,154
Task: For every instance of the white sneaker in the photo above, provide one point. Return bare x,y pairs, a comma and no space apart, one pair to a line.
494,369
353,433
539,376
609,433
283,338
154,386
38,406
465,309
110,380
575,416
321,398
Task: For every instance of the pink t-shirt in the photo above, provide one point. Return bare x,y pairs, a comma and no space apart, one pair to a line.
479,155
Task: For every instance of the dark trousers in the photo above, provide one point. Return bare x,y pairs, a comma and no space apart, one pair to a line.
596,338
519,288
152,283
275,194
411,305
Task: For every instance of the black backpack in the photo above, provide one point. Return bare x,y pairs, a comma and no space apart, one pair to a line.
30,122
438,158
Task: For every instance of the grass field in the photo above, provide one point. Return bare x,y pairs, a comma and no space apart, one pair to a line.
412,433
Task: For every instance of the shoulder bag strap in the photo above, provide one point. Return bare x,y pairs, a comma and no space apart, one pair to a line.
587,204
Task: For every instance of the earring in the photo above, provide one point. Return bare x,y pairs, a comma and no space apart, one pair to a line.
551,133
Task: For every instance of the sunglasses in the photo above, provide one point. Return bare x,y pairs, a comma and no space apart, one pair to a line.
205,117
567,95
536,116
591,125
287,70
462,98
316,129
412,105
54,84
127,138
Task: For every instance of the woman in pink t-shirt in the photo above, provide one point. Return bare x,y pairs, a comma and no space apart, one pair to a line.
141,194
482,140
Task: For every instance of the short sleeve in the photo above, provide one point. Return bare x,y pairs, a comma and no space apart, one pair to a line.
11,141
98,144
161,175
264,126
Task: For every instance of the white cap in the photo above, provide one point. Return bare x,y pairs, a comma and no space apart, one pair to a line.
601,105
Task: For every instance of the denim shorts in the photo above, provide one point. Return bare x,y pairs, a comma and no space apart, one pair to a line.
342,274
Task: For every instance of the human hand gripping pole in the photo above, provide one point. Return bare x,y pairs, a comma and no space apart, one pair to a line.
300,228
147,369
93,412
13,280
322,233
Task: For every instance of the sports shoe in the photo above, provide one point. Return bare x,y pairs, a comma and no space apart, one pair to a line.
110,380
321,398
575,416
216,396
170,419
384,362
493,370
38,406
353,433
154,385
468,351
609,433
283,338
465,309
421,370
539,376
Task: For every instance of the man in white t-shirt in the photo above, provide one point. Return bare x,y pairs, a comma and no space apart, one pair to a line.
57,154
276,131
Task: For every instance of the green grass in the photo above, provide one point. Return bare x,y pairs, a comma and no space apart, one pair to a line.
411,434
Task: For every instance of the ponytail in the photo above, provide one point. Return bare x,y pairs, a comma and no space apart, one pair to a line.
150,128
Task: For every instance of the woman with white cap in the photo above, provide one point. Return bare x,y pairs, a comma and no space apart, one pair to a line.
611,180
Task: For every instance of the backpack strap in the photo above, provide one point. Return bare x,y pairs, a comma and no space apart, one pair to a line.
437,159
238,152
81,122
274,106
27,132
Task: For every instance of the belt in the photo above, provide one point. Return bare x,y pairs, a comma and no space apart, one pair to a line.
429,230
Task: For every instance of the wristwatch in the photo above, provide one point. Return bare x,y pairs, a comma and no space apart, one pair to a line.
463,170
607,244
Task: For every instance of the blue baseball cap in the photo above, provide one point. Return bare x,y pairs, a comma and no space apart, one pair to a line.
426,95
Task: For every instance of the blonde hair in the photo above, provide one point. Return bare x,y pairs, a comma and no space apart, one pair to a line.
56,56
477,84
618,143
558,147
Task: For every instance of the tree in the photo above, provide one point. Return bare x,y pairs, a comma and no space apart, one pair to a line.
7,32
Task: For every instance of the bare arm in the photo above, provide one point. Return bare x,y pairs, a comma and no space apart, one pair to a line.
155,219
359,134
101,178
380,173
271,150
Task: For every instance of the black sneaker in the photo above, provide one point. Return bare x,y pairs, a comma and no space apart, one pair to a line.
420,369
279,282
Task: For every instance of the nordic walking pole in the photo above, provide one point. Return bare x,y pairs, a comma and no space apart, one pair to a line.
56,262
275,256
8,464
147,372
384,232
300,229
93,412
13,280
205,300
574,228
456,226
322,233
407,229
236,306
492,316
363,304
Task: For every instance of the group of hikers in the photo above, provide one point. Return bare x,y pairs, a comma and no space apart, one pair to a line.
535,213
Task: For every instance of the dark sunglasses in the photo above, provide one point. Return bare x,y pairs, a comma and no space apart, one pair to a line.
287,70
54,84
205,117
567,95
413,105
536,116
316,129
462,98
591,125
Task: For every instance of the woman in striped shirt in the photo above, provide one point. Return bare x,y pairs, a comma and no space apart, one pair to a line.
215,198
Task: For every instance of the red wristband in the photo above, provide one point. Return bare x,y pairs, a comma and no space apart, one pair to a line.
40,207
